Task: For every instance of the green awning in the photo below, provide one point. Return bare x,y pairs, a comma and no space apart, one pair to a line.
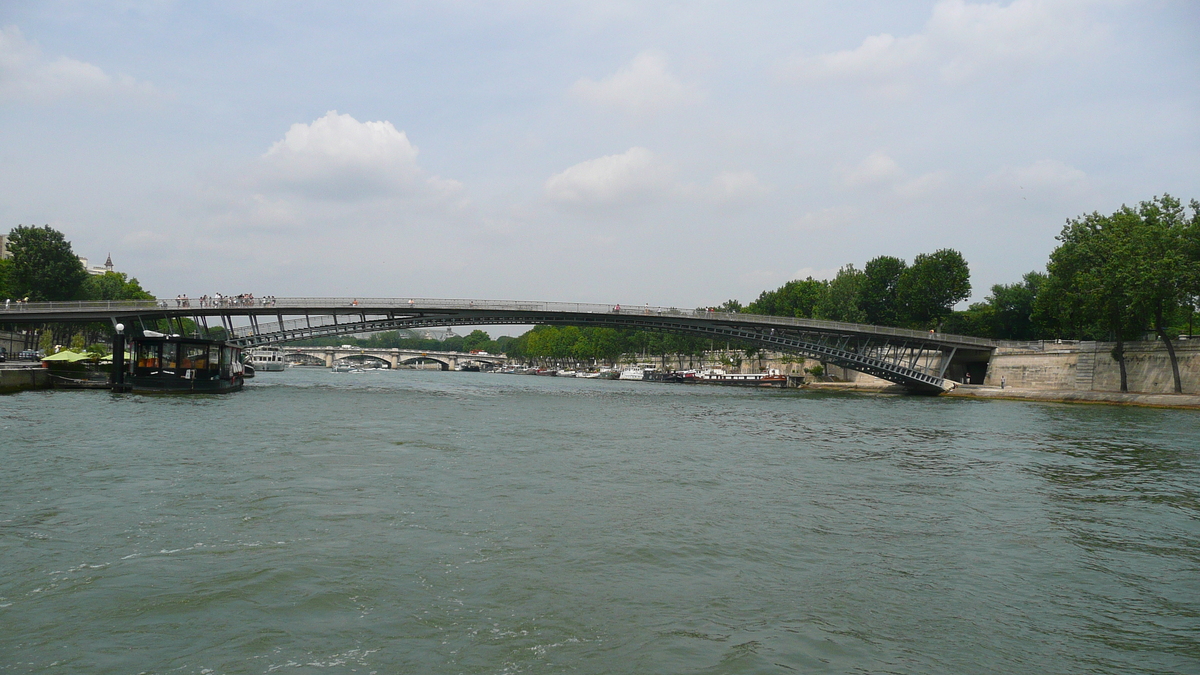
68,356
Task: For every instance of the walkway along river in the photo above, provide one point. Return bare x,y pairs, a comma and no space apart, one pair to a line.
437,522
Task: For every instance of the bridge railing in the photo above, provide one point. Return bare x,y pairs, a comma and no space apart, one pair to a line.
90,305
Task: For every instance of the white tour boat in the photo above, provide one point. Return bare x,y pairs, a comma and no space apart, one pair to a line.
266,359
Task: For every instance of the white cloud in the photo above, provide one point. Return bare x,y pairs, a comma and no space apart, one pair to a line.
961,39
735,186
645,86
878,56
26,74
921,185
1044,173
634,175
819,274
338,157
876,168
880,172
829,218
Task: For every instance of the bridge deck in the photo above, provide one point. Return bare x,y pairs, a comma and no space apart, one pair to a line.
515,312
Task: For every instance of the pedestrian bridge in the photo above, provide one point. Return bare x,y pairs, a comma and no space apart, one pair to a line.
914,359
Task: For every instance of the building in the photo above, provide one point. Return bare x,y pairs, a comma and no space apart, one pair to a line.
97,269
4,254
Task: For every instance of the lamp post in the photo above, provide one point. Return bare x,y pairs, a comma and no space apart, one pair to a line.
118,364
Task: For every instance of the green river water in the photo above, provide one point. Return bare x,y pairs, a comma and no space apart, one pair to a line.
441,522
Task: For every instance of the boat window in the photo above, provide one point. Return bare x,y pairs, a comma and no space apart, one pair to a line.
195,356
147,354
214,356
170,352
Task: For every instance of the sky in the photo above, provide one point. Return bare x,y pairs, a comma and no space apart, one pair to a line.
671,153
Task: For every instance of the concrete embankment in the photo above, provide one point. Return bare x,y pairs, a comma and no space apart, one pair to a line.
1191,401
1089,366
1069,372
23,377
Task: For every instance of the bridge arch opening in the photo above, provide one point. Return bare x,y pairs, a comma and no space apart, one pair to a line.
367,360
418,361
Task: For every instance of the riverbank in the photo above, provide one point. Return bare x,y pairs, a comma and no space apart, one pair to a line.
14,378
1184,401
1181,401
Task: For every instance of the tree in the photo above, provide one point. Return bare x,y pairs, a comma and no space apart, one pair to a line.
476,339
112,286
795,298
732,306
44,268
929,288
5,271
880,292
1089,281
1012,308
1161,265
841,301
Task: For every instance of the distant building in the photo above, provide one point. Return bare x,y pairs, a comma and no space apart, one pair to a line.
4,254
97,270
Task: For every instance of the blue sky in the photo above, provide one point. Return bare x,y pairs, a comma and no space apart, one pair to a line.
675,153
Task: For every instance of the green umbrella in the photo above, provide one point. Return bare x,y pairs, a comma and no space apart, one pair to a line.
68,356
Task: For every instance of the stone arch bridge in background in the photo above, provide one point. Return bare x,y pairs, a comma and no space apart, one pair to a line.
394,357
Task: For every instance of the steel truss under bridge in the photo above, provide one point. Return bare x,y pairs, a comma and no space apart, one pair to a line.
914,359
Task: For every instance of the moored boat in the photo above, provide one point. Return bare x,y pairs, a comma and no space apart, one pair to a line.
266,359
770,378
175,364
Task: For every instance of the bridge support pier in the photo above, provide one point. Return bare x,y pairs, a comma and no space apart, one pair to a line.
329,359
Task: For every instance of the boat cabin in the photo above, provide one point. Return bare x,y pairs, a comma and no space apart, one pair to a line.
171,363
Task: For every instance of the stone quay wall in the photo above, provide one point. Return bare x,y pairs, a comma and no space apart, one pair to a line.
20,379
1089,366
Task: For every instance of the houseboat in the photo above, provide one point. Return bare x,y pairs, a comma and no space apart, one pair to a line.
771,378
174,364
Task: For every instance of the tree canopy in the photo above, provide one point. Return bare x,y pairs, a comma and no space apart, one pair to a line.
43,266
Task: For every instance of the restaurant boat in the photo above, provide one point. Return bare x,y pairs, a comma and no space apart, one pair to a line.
266,359
174,364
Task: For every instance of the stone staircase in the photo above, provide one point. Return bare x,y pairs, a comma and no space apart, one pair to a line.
1085,367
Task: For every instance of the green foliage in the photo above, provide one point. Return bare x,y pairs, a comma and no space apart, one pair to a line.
886,292
930,287
732,306
600,344
112,286
5,271
880,300
44,268
1006,314
841,299
1089,290
795,298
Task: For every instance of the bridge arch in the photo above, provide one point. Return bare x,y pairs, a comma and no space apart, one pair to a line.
363,359
302,359
445,363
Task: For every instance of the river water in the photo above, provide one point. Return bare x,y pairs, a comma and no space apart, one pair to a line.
440,522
